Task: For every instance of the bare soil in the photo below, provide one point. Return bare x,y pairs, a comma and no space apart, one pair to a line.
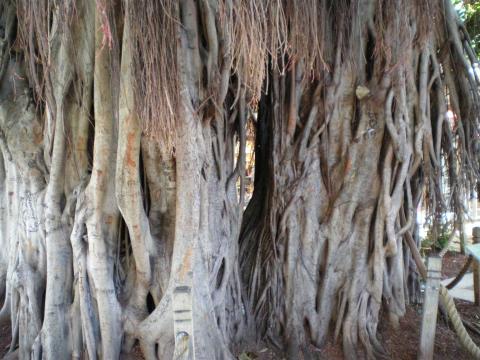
403,344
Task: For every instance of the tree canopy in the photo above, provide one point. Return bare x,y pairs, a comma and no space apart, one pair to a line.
469,13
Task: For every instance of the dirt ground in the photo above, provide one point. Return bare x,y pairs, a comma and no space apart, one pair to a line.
401,344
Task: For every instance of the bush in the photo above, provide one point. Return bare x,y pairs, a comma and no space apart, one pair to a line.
443,235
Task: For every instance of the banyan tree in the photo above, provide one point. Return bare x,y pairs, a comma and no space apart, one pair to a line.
123,132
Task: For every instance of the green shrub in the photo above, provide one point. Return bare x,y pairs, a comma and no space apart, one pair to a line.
443,235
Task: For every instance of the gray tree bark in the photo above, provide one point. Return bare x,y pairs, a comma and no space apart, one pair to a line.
122,170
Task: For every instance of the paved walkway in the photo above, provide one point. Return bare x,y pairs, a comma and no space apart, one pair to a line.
464,289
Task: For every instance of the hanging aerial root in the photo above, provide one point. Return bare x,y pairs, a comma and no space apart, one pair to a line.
156,88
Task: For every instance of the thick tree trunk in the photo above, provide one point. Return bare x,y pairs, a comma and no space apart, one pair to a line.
203,277
23,246
336,160
102,216
55,333
305,239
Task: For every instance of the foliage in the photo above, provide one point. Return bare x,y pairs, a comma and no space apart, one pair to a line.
438,237
469,12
